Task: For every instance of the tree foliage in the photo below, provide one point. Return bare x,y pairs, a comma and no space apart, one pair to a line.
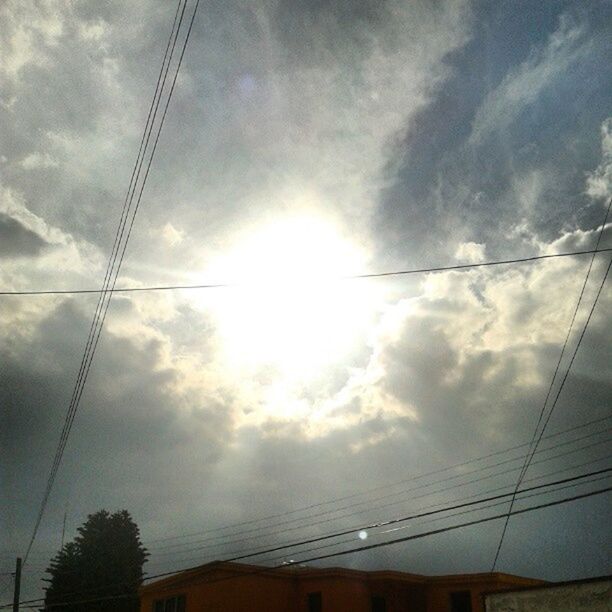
105,560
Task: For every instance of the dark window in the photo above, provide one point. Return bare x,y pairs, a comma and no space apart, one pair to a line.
461,601
379,604
170,604
315,602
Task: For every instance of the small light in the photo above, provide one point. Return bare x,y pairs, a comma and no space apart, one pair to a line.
363,535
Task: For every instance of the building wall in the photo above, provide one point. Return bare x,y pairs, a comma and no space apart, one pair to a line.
400,596
220,592
340,594
594,596
439,590
226,590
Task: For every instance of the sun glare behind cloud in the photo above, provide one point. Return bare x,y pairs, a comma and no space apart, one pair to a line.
291,311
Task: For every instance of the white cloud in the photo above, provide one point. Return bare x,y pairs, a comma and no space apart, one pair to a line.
172,236
27,30
523,85
65,261
93,30
599,182
470,252
38,160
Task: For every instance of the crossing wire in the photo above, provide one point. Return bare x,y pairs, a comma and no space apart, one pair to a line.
114,264
412,537
370,491
368,275
255,534
529,456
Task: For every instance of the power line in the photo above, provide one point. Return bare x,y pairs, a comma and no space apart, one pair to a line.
420,524
370,491
148,543
567,337
51,552
110,266
251,535
367,526
529,456
422,514
394,521
227,285
427,509
441,518
348,551
567,371
453,527
112,271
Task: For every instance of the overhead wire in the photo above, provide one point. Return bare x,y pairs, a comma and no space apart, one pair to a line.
434,508
113,267
362,548
365,276
434,519
368,526
400,519
270,517
156,554
535,443
418,514
453,527
282,526
429,521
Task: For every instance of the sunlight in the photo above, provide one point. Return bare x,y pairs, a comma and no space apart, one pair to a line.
291,313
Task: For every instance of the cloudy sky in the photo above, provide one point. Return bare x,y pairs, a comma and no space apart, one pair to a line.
306,140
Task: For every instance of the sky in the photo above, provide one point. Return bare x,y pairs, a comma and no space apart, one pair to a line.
307,141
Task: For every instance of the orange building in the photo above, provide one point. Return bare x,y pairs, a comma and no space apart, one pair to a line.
234,587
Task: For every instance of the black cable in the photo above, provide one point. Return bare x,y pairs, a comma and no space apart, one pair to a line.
543,409
436,519
223,285
429,507
11,554
336,500
364,526
422,514
275,528
125,243
494,474
360,526
453,527
567,371
423,510
353,550
567,337
102,305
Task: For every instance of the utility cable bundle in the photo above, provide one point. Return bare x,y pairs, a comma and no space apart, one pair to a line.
164,89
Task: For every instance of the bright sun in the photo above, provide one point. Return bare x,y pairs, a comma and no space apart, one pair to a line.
291,311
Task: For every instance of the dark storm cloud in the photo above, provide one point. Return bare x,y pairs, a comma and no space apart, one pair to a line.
16,240
452,187
129,416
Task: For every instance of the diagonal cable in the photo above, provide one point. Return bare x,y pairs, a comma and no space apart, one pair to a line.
536,439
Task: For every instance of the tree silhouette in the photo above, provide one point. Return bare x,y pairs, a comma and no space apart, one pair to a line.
104,561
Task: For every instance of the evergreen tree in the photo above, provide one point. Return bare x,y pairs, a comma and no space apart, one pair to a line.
105,560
